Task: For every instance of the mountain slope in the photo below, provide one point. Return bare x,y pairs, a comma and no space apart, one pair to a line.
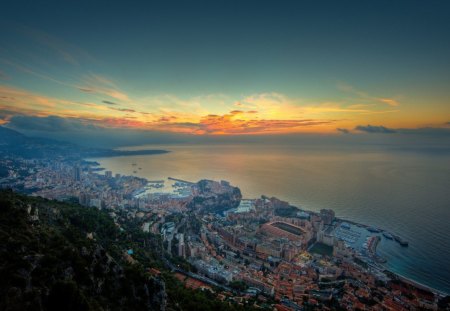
8,136
49,260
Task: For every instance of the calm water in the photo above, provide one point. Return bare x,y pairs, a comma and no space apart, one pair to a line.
407,193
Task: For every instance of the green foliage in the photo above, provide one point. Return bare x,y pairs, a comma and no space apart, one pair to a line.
238,285
50,264
182,298
322,249
290,211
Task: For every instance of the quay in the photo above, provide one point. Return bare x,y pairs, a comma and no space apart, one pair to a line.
181,180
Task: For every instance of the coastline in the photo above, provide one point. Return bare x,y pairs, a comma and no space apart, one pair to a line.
399,276
121,153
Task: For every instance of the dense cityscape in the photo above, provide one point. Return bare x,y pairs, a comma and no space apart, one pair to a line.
262,250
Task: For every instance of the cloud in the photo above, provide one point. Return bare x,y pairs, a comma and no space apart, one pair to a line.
365,96
69,53
374,129
122,109
96,84
108,102
48,124
32,72
167,119
389,101
234,112
87,132
113,132
233,124
343,130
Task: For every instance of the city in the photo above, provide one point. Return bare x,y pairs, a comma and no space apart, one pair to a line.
224,155
263,249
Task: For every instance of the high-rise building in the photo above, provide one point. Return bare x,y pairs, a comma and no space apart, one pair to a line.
327,216
84,199
181,246
76,173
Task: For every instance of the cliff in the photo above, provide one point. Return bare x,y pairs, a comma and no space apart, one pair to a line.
215,197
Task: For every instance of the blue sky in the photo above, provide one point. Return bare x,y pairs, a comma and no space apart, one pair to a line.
340,63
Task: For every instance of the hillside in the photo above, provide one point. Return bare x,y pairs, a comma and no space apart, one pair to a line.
49,262
61,256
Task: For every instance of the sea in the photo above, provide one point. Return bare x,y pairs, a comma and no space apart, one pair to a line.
403,191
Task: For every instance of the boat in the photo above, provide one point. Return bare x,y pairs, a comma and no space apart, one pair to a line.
374,230
401,241
387,235
345,225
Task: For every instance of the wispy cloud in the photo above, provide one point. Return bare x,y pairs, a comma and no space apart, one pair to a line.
365,96
234,123
33,72
68,52
343,130
96,84
109,102
122,109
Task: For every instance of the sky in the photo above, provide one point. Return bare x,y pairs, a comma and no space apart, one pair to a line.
225,68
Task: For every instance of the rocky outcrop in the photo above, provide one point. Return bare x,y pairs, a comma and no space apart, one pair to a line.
215,197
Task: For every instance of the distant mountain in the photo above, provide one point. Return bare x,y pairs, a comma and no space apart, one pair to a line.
8,136
13,143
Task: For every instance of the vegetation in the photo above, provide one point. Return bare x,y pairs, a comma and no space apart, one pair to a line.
61,256
49,263
322,249
238,285
290,211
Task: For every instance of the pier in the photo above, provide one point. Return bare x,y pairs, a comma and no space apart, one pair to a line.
181,180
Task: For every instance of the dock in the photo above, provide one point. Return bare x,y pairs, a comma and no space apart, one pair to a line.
181,180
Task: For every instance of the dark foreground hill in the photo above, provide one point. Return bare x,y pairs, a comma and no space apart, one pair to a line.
49,260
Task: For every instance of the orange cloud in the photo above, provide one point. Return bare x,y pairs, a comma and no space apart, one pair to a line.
389,101
233,124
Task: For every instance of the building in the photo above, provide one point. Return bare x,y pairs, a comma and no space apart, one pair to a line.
84,199
283,229
76,173
181,245
327,216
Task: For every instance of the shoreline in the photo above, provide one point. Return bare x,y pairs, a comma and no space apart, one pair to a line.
121,153
410,281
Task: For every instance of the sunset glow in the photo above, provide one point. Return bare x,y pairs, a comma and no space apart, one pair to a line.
52,74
